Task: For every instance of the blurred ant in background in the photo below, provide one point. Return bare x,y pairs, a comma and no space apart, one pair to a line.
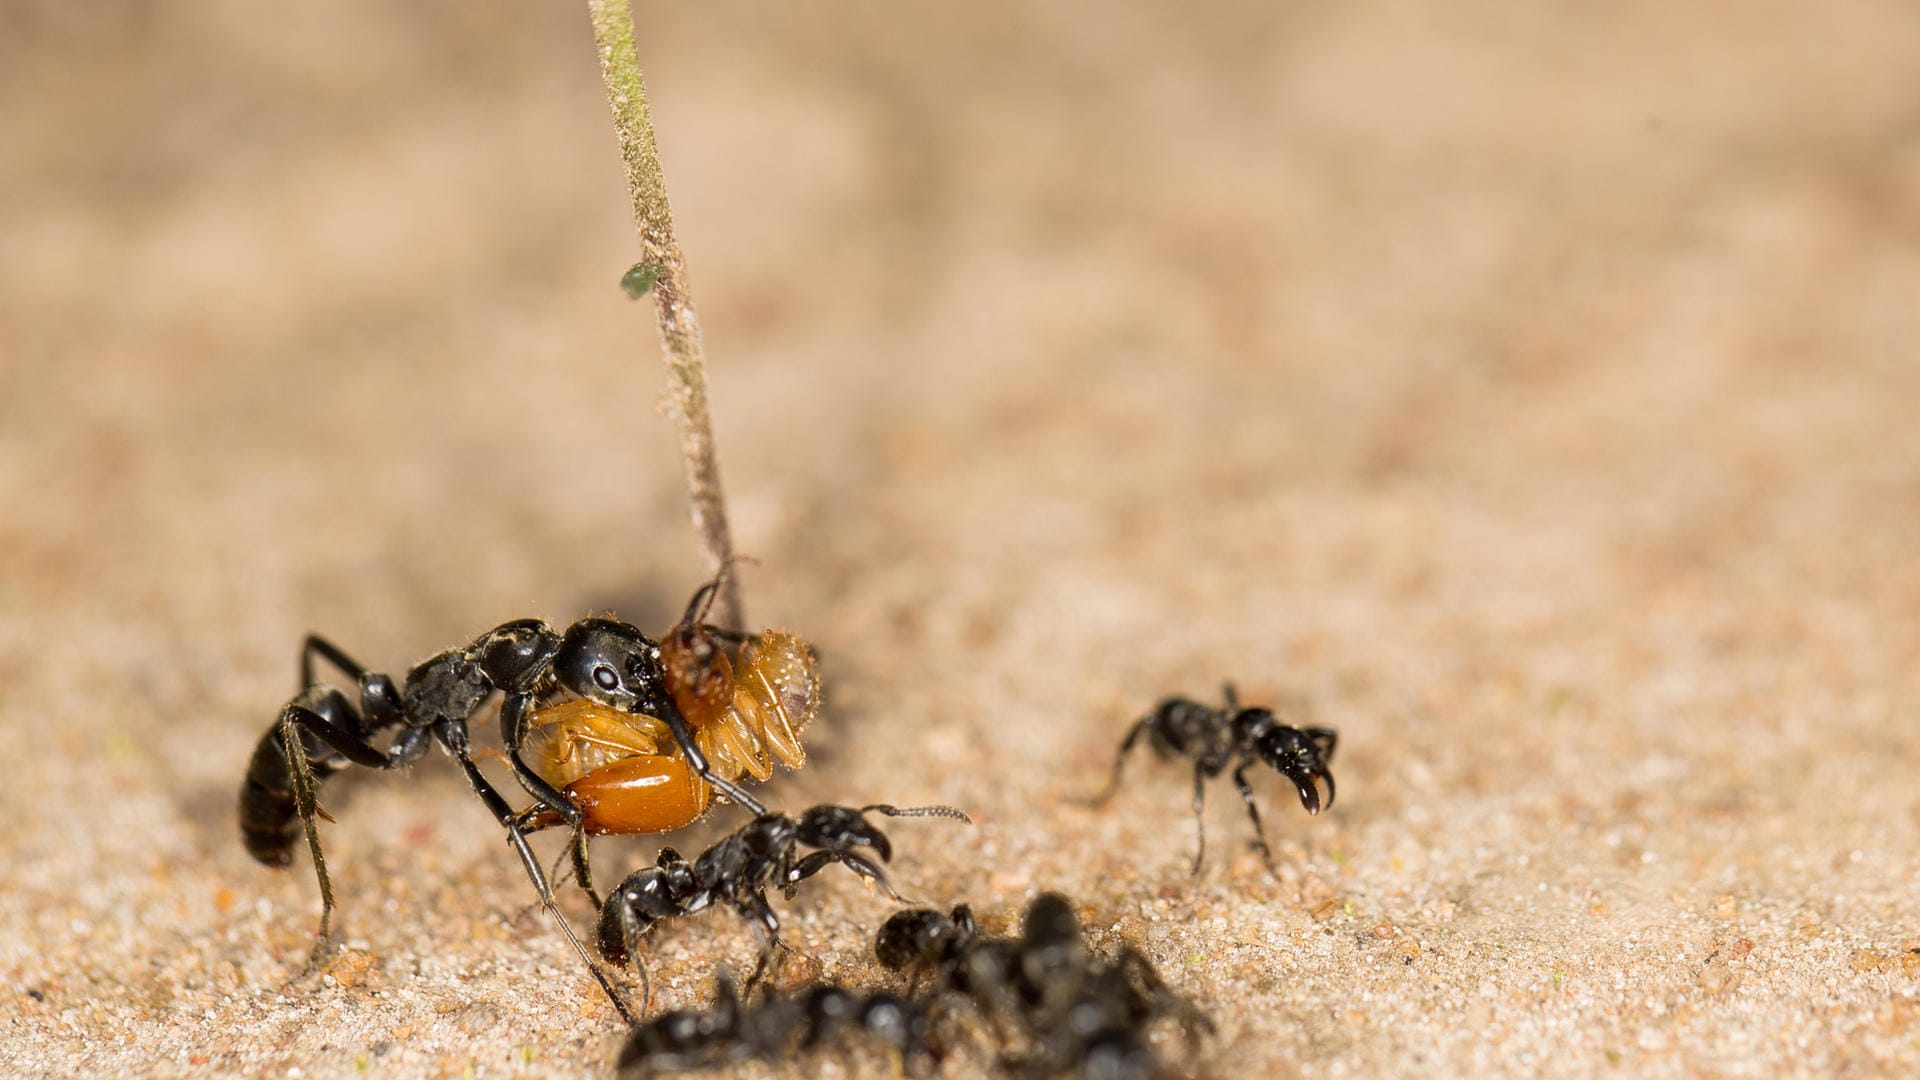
777,1029
1242,737
1079,1013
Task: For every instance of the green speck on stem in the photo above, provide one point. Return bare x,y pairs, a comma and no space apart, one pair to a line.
639,278
121,747
1197,958
1559,976
526,1053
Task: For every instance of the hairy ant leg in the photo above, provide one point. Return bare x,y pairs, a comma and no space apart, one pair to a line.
453,735
320,716
316,735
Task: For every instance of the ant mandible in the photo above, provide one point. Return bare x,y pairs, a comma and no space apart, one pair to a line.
746,697
739,868
320,732
1216,738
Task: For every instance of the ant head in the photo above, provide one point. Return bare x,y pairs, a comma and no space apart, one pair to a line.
646,897
1299,756
614,664
841,829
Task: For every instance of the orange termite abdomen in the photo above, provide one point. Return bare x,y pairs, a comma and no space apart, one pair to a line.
646,793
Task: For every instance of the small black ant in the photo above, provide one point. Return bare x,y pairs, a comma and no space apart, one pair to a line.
1080,1014
739,868
1216,738
776,1029
320,732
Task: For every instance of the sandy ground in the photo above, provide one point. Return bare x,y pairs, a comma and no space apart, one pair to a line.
1526,390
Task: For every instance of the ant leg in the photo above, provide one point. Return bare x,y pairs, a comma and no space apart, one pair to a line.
1120,761
513,732
697,761
333,654
1253,811
307,805
754,908
453,735
1199,815
582,870
330,721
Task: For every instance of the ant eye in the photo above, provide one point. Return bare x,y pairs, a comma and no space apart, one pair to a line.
604,677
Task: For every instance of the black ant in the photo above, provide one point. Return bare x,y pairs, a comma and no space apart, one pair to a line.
1216,738
739,868
776,1029
1080,1014
320,732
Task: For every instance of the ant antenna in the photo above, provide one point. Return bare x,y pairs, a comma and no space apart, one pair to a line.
702,601
918,811
705,595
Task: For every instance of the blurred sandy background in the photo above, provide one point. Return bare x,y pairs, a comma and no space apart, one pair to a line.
1526,390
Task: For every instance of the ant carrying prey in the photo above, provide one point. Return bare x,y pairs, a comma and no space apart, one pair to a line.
608,670
1216,738
746,697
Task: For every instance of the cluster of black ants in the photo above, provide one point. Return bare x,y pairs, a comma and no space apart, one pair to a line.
612,732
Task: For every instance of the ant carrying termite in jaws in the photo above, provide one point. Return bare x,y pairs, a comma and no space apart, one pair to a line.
746,697
739,869
608,669
1242,737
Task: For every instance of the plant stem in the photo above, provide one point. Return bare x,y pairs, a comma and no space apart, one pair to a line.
679,324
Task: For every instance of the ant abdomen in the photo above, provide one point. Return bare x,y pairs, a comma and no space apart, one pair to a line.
269,812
